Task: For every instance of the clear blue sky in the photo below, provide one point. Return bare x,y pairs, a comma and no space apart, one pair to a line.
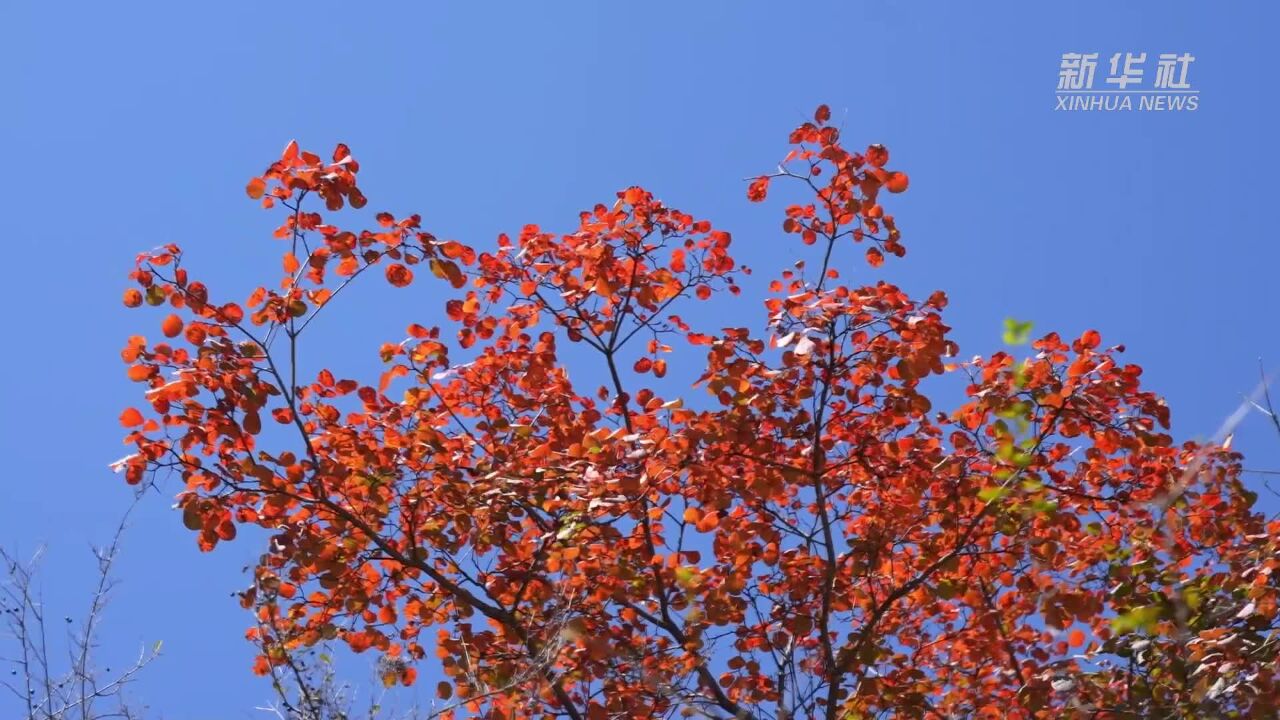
128,125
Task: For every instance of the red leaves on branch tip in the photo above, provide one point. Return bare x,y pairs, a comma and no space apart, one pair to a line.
298,171
897,182
758,189
132,297
822,114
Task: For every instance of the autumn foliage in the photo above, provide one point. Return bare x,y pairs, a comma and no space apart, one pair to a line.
801,534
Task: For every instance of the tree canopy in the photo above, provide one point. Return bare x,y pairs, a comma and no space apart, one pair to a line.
800,534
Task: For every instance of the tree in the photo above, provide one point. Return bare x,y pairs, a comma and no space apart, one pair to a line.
812,540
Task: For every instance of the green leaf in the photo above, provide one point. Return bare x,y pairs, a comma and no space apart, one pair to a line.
687,576
992,493
948,589
1140,618
1016,332
1044,507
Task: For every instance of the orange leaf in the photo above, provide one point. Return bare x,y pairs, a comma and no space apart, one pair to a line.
898,182
710,520
1075,638
195,334
131,417
261,666
172,326
256,188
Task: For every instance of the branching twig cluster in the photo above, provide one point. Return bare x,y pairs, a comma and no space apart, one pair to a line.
46,686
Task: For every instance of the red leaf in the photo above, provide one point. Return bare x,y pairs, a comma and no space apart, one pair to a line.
252,422
131,417
897,182
878,155
399,275
138,373
172,326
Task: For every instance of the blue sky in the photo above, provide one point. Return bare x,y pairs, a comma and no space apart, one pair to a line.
129,126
